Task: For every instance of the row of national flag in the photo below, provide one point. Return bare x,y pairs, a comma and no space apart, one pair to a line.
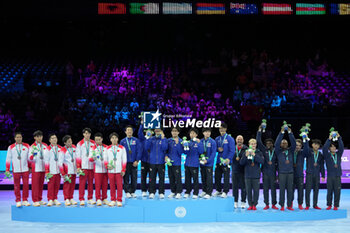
209,8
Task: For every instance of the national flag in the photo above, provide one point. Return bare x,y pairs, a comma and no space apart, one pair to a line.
210,8
243,8
182,8
111,8
310,9
340,8
276,9
144,8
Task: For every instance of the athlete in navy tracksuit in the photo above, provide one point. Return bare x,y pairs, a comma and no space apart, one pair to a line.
238,172
298,164
334,171
175,150
209,147
268,169
226,150
252,161
314,167
285,167
144,161
158,146
192,164
133,152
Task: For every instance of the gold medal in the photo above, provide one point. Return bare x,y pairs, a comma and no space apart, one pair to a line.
237,158
252,165
270,163
336,165
315,164
287,161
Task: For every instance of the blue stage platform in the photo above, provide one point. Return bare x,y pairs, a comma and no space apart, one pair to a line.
167,211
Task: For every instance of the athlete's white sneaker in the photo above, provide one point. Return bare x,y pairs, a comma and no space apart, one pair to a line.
216,194
151,196
67,202
207,196
186,195
133,195
42,203
36,204
119,204
178,196
128,195
99,202
194,197
56,202
161,196
112,203
243,205
73,202
223,195
105,202
19,204
202,194
82,203
236,205
91,202
50,203
26,203
171,195
144,194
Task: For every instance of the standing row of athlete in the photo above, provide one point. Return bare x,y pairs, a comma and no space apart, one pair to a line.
117,164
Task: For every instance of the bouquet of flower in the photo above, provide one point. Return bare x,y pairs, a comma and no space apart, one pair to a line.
149,133
8,175
263,125
202,158
110,165
35,150
96,155
81,172
304,131
223,162
333,134
285,126
185,143
48,176
169,162
250,152
66,178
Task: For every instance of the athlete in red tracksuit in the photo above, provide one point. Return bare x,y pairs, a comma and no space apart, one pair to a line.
36,156
68,169
101,176
84,164
52,158
115,162
17,153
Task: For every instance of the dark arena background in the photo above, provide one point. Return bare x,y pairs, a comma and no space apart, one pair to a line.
69,65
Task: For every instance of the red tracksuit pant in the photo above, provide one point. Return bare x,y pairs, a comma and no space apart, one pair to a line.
17,185
116,179
53,186
89,178
68,188
38,179
101,184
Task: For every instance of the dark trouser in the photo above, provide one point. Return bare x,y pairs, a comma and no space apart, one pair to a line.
298,184
207,179
144,172
219,170
286,182
333,186
191,173
130,178
154,170
174,173
252,190
312,182
269,182
238,181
